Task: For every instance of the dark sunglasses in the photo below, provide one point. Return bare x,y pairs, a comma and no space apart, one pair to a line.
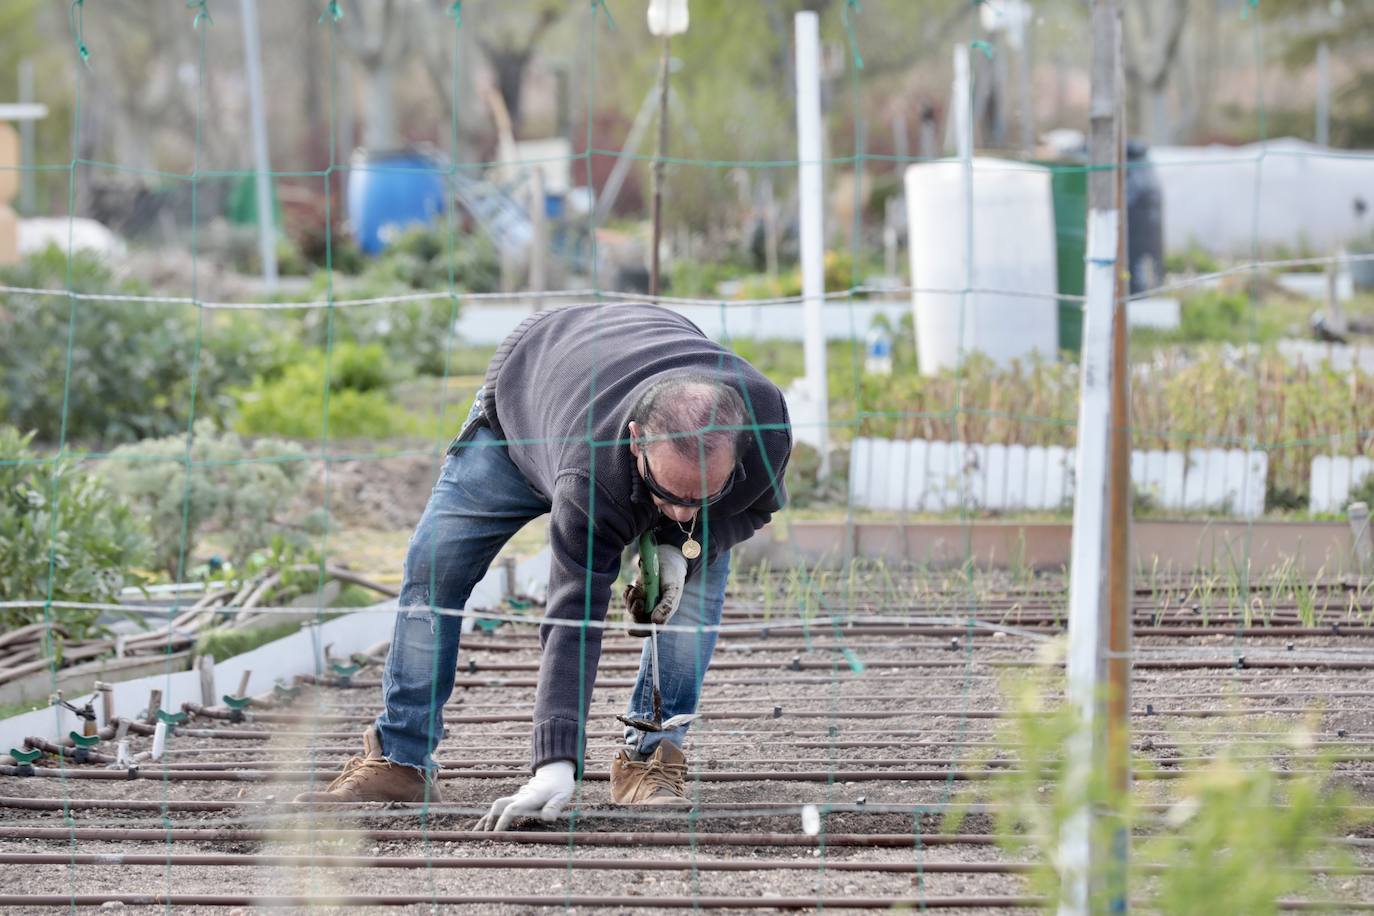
736,475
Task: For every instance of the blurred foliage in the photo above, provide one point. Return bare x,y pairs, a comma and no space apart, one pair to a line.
732,99
240,491
1363,491
701,277
417,335
1226,314
355,380
221,643
133,365
1191,260
1302,27
1213,315
1239,836
840,276
59,522
1204,395
804,486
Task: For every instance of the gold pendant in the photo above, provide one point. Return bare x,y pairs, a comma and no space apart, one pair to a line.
691,549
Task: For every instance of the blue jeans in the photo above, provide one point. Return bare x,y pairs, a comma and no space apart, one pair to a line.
480,500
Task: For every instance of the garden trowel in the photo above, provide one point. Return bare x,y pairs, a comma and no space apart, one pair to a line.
648,565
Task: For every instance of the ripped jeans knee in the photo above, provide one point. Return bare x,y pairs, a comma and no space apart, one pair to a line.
415,606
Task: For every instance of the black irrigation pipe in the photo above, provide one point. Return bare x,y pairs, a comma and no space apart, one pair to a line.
1140,664
870,676
622,839
619,901
251,806
254,860
316,775
780,712
980,625
505,862
461,766
511,766
713,734
698,810
698,742
715,705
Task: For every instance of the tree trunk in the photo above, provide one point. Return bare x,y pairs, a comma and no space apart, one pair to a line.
510,79
1161,128
379,132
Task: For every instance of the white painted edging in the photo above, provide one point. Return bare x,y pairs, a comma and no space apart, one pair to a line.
1340,357
922,476
1333,477
300,653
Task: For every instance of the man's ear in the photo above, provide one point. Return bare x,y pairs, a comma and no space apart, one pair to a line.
634,438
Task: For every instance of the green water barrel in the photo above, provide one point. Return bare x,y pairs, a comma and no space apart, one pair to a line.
1069,186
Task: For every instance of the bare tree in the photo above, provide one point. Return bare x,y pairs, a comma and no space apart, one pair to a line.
377,33
509,41
1153,31
144,69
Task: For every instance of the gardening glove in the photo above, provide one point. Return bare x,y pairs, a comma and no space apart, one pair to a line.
672,579
543,796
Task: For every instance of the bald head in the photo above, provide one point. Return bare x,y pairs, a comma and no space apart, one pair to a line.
692,414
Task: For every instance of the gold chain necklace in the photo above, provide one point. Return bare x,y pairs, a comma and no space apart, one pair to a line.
690,548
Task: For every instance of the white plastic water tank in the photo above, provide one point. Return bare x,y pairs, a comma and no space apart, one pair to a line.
1010,309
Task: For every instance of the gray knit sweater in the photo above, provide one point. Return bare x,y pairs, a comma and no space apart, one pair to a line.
560,390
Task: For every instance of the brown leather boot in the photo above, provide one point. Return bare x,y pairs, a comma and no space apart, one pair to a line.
373,778
660,780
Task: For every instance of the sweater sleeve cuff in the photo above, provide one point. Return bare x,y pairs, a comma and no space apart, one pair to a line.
555,739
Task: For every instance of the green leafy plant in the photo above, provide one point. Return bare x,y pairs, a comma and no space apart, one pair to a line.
417,336
221,643
1363,492
1240,836
60,523
356,380
1192,260
242,492
132,364
1237,838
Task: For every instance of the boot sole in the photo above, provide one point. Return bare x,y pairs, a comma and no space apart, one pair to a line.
650,803
307,799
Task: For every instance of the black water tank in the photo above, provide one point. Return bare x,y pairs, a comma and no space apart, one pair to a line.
1144,219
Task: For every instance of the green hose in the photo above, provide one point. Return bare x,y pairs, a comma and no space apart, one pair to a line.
648,565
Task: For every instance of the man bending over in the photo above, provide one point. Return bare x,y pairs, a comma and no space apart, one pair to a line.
615,420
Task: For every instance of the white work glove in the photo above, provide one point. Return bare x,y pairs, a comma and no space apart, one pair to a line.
672,579
544,796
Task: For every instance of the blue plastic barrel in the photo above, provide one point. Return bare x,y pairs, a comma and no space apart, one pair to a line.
389,192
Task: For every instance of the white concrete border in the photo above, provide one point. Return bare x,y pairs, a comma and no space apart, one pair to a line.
282,660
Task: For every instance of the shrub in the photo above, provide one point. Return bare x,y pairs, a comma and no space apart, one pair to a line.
358,382
223,643
1363,491
416,335
238,491
1214,316
56,515
1192,260
804,486
132,363
1237,837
